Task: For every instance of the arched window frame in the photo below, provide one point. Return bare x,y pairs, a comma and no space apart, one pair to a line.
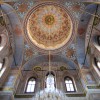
31,78
47,77
3,41
69,83
97,62
2,64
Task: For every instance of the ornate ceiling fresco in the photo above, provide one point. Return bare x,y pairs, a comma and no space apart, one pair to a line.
60,44
22,8
48,26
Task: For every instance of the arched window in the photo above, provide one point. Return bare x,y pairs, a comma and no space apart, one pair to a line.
31,85
1,66
69,84
50,82
3,41
97,62
98,40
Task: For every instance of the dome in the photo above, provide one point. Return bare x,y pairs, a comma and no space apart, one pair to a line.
48,26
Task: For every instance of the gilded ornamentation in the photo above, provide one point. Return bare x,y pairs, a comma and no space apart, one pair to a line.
62,68
49,19
28,52
71,53
2,22
22,7
96,20
37,68
49,26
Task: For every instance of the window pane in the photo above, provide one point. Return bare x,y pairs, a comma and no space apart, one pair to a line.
0,66
32,88
98,63
68,89
72,89
50,82
70,81
33,82
28,88
50,79
30,82
69,84
31,85
66,81
1,47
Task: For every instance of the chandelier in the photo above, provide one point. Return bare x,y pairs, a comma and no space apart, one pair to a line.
50,95
50,92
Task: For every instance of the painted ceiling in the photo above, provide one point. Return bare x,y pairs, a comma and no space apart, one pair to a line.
66,11
48,26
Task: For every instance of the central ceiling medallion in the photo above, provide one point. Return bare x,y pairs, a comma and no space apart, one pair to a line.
49,19
48,26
